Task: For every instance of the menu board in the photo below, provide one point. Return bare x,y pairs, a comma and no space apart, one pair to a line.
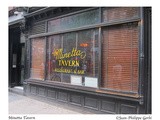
76,80
91,82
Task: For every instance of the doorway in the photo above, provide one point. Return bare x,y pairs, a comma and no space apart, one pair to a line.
16,57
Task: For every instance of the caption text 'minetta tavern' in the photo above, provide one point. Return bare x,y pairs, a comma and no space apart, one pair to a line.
21,117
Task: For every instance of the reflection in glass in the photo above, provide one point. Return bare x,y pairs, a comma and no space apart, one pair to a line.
87,42
53,43
74,21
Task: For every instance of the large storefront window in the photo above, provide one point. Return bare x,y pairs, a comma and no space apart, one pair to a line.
37,58
73,57
120,57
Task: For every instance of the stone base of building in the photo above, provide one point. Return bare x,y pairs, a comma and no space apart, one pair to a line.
94,103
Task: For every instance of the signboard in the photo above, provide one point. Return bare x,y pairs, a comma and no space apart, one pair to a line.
91,82
69,62
76,80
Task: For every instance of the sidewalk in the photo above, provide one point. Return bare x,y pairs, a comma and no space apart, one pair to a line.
19,104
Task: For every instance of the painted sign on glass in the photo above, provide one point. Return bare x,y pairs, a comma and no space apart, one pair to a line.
69,62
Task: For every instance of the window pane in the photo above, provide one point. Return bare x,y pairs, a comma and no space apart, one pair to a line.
122,13
88,42
74,21
73,56
120,57
37,58
54,43
68,63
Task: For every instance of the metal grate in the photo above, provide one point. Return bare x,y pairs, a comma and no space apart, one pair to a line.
120,57
37,28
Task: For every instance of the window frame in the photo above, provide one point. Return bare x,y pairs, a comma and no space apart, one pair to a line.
99,26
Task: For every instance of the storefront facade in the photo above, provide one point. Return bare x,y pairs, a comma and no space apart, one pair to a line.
97,59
